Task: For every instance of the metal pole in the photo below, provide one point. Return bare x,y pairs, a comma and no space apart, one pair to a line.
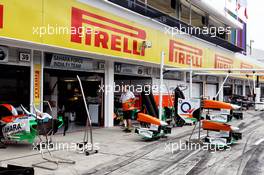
88,121
190,19
249,85
161,84
31,81
250,45
191,73
222,86
254,84
254,89
42,81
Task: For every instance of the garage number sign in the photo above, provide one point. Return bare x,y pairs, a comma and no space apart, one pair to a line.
24,57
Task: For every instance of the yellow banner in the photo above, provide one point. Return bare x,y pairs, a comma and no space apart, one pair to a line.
75,25
37,83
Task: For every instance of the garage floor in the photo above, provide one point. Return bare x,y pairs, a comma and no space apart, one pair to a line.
122,153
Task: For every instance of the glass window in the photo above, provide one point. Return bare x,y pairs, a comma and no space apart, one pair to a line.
166,6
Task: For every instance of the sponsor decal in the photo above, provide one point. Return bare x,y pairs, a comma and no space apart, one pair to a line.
223,62
37,83
1,16
120,37
185,54
188,106
15,127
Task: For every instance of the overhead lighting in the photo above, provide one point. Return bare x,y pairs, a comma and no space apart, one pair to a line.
70,80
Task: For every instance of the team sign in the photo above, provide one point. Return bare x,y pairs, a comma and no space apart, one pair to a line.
70,62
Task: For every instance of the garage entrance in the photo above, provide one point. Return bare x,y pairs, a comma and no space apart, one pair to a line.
15,85
62,89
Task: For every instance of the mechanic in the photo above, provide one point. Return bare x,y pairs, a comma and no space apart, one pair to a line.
128,105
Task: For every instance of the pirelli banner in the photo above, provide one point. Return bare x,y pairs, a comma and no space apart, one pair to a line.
76,25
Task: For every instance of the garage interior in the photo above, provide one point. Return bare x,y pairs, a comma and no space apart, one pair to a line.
62,89
15,85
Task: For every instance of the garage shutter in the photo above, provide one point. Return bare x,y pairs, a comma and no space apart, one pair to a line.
211,90
196,90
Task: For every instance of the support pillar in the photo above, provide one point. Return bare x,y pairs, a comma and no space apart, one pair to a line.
244,88
36,80
221,94
109,94
185,77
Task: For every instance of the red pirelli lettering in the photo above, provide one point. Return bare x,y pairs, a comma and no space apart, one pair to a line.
1,16
185,54
223,62
245,66
126,38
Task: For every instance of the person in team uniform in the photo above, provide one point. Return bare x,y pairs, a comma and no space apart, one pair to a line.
128,105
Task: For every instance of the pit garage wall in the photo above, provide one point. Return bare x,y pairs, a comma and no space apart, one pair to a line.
204,86
172,84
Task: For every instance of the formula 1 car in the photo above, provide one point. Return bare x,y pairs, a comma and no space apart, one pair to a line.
25,127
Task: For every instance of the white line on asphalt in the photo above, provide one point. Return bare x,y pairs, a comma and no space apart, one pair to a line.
259,141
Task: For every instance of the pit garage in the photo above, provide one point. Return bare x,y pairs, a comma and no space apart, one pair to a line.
15,85
197,85
211,87
228,89
239,87
136,77
15,76
62,89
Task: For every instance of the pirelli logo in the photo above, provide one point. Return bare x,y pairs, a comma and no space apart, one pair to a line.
108,33
223,62
1,16
185,54
245,66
